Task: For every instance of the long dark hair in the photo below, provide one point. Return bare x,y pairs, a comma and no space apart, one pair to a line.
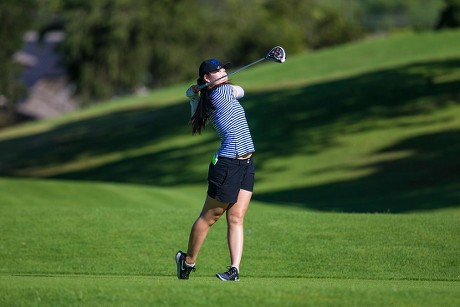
203,110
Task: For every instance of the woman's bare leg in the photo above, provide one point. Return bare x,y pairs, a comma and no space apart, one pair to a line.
235,227
211,212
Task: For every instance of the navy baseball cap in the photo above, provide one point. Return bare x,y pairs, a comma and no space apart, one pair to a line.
212,65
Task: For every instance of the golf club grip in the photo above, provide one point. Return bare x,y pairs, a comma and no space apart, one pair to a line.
232,73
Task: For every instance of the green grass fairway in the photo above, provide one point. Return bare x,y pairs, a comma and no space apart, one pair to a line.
356,203
93,290
68,243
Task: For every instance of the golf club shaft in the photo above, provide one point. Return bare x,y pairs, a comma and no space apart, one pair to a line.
233,72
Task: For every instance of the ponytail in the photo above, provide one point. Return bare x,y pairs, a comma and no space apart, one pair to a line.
203,110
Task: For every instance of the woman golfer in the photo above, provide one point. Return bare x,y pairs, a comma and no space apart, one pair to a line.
231,172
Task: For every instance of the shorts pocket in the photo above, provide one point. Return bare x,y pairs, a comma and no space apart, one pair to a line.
217,174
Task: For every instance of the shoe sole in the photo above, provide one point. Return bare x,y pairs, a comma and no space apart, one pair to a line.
179,253
223,279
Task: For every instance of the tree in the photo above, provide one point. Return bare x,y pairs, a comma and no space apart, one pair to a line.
106,49
112,46
450,15
15,18
329,28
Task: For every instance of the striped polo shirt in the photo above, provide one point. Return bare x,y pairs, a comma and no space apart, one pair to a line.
229,120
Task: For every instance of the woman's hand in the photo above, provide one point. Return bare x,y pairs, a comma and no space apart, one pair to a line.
195,88
192,91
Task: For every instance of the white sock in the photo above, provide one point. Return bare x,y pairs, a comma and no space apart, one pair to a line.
189,265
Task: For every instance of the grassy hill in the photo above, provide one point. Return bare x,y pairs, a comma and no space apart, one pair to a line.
368,127
95,203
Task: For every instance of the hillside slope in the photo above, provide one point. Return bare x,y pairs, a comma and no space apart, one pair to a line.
372,126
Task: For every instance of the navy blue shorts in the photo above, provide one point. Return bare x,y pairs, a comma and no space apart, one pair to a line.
228,176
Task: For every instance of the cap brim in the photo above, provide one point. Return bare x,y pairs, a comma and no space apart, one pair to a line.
227,65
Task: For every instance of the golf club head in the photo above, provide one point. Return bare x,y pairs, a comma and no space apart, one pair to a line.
277,54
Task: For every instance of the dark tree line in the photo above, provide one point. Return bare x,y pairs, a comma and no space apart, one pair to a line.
14,21
113,46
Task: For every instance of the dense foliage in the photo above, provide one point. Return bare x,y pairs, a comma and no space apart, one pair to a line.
450,15
14,21
113,47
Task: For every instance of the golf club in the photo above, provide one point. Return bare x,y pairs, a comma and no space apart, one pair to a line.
276,54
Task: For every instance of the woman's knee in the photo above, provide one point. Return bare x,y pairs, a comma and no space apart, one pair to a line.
211,216
212,211
235,217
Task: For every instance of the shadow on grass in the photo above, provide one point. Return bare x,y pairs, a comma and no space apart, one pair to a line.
427,179
122,146
314,117
125,142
